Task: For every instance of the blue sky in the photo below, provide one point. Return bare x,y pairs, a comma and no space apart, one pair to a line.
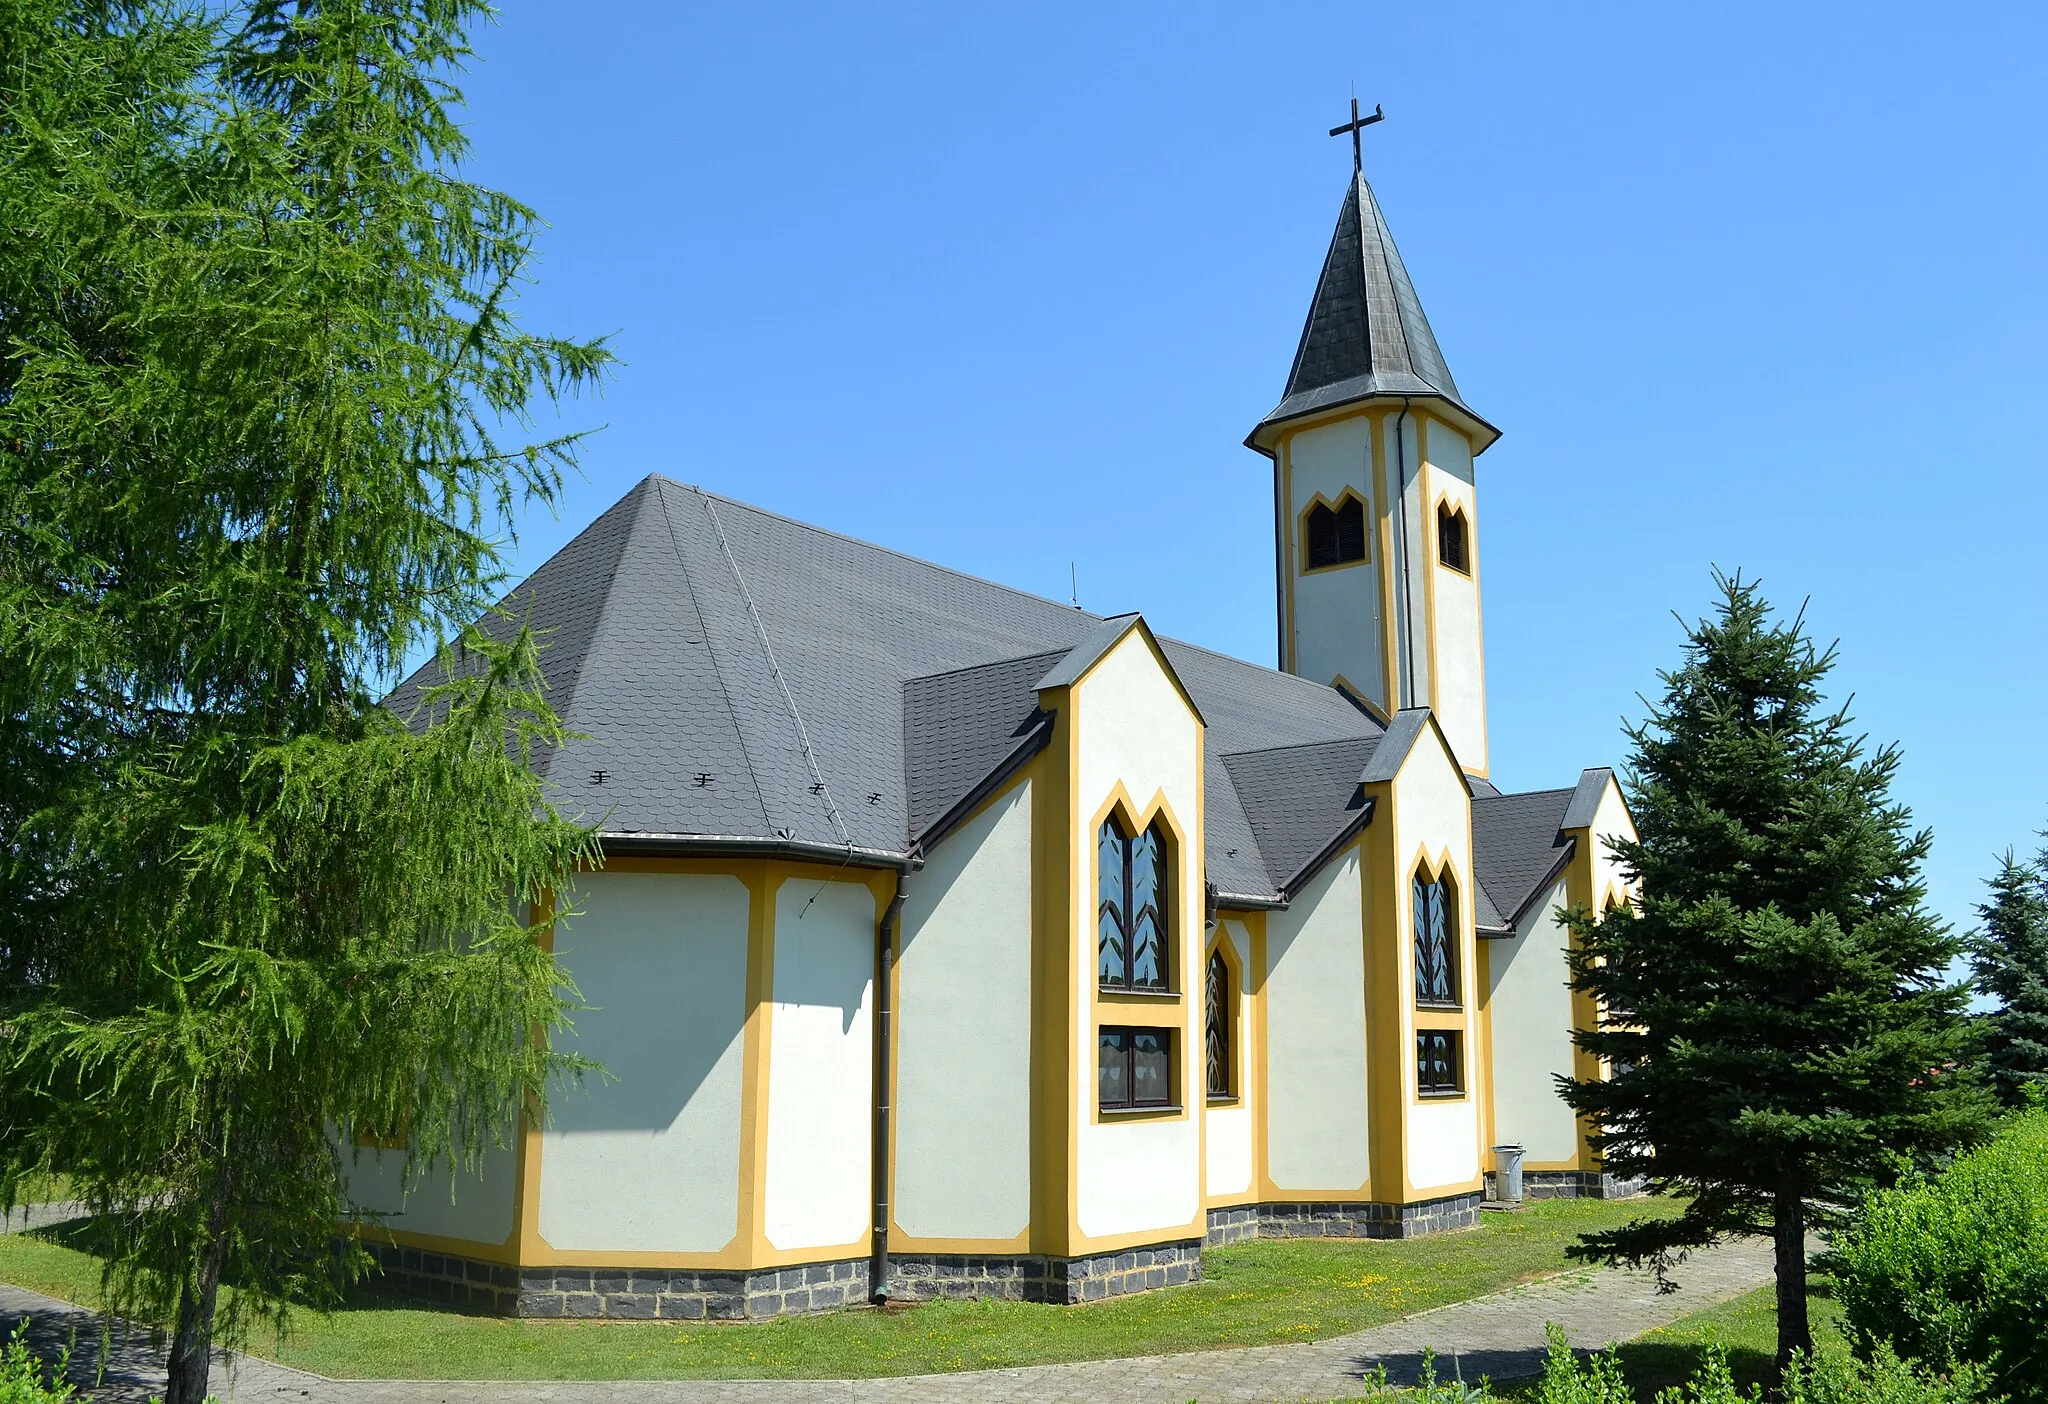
1756,286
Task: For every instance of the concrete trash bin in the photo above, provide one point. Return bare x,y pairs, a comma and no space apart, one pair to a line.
1507,1174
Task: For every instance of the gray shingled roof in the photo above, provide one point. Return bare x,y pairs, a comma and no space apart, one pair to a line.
1301,800
1517,848
964,727
1366,334
741,678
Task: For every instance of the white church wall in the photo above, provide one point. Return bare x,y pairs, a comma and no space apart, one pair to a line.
1316,1138
1532,1038
1460,694
819,1176
1134,730
963,1032
1337,626
649,1161
1433,818
1228,1134
481,1210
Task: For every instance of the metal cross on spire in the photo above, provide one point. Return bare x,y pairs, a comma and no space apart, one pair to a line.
1356,125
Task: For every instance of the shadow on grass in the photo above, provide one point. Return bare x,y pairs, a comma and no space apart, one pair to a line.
1746,1327
97,1238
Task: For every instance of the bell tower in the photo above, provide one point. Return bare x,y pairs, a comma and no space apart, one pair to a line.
1375,507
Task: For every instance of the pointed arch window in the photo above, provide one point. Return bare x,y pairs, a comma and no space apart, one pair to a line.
1219,1003
1131,907
1436,941
1452,548
1336,535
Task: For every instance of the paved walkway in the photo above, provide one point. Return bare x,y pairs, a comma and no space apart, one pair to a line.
1500,1335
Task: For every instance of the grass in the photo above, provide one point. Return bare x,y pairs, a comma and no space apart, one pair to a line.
1747,1325
1258,1293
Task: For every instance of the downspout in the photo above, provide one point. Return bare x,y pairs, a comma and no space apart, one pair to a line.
1406,622
885,968
1280,513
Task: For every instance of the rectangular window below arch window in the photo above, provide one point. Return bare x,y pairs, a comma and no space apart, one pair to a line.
1134,1069
1438,1069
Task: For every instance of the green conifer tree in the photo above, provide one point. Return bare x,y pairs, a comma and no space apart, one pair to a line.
2009,955
263,418
1774,1008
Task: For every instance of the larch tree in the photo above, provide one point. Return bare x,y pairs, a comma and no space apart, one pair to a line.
2009,955
1774,1010
265,419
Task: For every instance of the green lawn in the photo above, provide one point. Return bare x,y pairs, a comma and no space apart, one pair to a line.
1747,1325
1254,1294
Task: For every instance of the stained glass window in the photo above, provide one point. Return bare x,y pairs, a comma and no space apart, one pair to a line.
1131,932
1134,1068
1436,924
1216,1021
1436,1062
1112,921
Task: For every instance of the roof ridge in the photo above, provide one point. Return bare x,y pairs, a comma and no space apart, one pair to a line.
1010,662
1304,745
710,649
1292,678
1524,794
761,511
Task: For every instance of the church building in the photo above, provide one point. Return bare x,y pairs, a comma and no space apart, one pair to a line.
951,941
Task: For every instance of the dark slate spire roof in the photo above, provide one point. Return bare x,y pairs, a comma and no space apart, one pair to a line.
1366,333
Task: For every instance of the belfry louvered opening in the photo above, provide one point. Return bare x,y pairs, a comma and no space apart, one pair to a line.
1336,535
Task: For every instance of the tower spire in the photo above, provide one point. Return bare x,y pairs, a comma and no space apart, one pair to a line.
1366,336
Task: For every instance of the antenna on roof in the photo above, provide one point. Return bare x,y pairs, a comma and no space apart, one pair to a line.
1073,585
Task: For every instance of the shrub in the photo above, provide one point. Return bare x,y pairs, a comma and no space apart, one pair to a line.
1428,1389
1882,1379
22,1377
1826,1379
1953,1270
1565,1381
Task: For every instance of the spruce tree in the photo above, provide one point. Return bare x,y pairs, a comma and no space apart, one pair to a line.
263,425
1774,1008
2009,955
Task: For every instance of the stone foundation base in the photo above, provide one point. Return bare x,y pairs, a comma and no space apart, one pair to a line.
1065,1281
635,1294
683,1294
1571,1184
689,1294
1331,1220
445,1278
